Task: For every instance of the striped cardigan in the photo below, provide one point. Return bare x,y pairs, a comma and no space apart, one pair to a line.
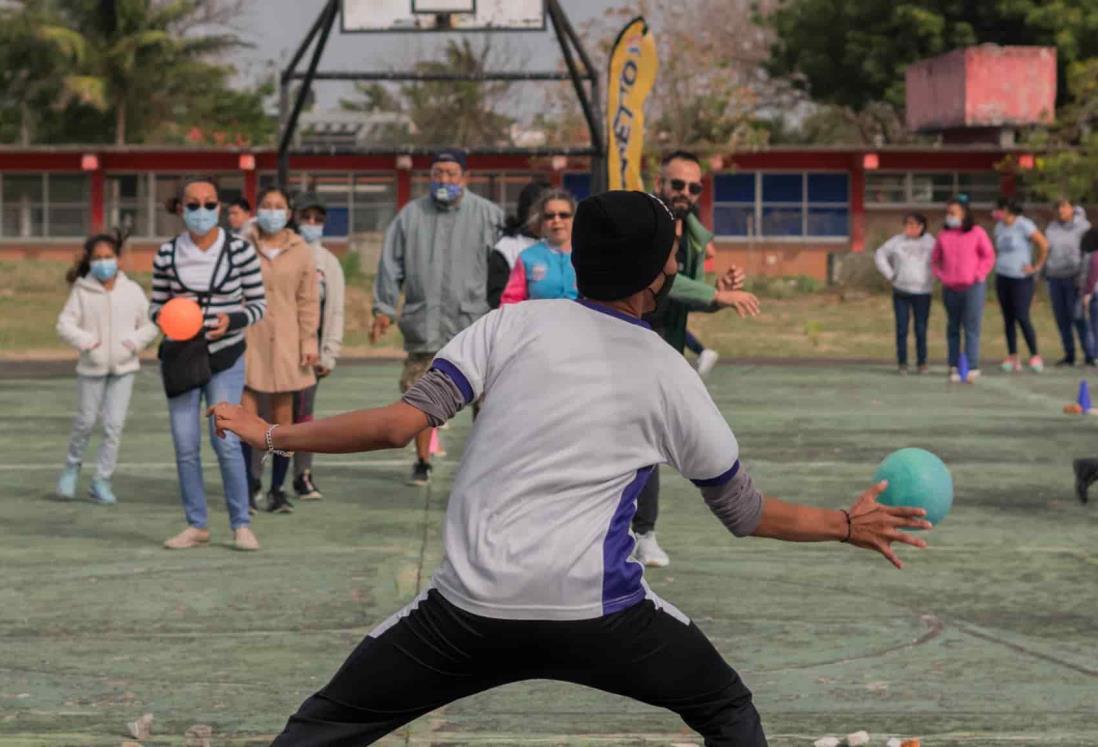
237,291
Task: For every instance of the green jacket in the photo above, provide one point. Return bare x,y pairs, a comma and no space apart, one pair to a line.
690,291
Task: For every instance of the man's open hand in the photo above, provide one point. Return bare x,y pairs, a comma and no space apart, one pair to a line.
745,304
874,526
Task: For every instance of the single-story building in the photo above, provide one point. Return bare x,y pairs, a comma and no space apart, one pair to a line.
777,211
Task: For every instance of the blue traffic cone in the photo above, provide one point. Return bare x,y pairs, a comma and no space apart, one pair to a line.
1084,396
962,368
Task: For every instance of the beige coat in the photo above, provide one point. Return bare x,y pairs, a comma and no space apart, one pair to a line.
272,359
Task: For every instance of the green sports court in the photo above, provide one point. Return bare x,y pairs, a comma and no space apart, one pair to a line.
989,637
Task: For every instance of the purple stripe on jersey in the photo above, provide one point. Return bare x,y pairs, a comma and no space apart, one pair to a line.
446,367
613,312
621,577
720,479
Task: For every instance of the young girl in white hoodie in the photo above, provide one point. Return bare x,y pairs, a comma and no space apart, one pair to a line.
106,318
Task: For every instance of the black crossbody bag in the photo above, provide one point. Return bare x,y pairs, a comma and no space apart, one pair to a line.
185,364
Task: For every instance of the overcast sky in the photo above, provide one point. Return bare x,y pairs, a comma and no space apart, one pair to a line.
276,27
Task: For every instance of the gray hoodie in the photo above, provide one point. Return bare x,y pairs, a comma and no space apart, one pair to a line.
905,262
1065,257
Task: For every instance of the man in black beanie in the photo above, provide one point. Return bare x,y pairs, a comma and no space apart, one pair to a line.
536,581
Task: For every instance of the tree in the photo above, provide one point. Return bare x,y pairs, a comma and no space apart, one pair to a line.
139,54
127,71
1069,166
443,112
711,87
853,53
31,69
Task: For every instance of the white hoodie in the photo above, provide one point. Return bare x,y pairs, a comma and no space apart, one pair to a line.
98,322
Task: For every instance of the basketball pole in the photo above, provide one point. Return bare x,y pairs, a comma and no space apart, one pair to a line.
592,108
570,44
324,25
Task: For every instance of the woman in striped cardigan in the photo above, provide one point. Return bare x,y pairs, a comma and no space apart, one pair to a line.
207,262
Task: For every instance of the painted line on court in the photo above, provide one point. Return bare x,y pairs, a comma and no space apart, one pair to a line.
1005,386
975,632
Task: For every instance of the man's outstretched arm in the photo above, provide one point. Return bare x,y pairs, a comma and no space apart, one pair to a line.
868,524
433,400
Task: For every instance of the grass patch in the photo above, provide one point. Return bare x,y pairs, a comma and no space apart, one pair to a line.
800,319
788,287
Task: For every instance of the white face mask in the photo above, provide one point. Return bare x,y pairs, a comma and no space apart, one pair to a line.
952,221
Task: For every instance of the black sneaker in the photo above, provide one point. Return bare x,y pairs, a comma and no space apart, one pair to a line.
305,487
1065,363
278,503
255,492
1086,472
421,473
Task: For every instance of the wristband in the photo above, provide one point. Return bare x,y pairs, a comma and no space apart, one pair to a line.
849,524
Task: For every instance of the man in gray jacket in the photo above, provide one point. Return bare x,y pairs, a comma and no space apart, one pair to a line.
436,250
1065,271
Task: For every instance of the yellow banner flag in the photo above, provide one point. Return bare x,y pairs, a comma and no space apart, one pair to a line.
633,65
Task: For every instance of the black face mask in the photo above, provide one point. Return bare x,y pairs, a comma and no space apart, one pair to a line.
665,290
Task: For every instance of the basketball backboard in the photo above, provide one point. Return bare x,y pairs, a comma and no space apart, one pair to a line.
443,15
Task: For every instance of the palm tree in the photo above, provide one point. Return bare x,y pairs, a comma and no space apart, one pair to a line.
30,66
133,55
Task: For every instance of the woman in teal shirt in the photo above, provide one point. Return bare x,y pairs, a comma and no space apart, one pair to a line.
1015,269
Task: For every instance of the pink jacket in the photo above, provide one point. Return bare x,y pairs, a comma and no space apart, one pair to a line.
962,259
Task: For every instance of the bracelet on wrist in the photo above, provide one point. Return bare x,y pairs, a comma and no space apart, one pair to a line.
270,445
849,525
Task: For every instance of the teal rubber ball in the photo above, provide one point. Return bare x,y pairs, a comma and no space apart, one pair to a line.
917,477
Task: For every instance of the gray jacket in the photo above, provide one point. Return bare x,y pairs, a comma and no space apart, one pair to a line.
439,257
905,263
1065,256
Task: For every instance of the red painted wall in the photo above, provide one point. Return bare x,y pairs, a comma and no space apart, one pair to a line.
985,86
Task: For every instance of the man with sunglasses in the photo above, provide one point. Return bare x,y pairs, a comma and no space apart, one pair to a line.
679,185
436,251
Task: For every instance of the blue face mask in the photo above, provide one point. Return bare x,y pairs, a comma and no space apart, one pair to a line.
446,194
311,232
271,221
104,269
200,221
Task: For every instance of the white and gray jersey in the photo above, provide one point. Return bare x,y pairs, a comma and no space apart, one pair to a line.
580,404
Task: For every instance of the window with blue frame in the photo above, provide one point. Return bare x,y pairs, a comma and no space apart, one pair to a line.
800,205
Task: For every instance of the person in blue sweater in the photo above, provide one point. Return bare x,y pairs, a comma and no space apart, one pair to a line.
544,270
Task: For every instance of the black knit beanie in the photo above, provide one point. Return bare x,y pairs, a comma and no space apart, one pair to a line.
620,243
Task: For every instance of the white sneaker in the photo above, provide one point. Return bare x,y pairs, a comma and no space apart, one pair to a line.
649,553
954,375
706,361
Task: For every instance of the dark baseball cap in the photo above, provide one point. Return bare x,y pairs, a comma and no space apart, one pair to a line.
451,155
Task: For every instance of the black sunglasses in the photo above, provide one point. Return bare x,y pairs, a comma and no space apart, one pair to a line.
192,206
562,216
681,186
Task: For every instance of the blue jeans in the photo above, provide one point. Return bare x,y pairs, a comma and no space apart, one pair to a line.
1064,295
907,305
186,412
964,310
